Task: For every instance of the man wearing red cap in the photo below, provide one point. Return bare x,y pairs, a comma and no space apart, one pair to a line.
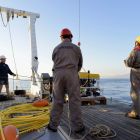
68,61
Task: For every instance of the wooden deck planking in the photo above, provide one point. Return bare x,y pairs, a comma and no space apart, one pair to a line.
111,115
118,125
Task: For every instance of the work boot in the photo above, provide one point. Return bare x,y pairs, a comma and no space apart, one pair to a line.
51,129
132,115
80,130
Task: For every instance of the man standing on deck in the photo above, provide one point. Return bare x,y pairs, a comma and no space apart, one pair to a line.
68,61
4,71
133,61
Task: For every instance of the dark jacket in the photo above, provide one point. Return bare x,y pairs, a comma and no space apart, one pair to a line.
4,71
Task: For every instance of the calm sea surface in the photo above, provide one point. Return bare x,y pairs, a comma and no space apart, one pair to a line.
116,88
112,88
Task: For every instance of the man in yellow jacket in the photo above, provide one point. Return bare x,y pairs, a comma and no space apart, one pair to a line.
133,61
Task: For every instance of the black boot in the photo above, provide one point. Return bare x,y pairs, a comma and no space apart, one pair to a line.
51,129
80,130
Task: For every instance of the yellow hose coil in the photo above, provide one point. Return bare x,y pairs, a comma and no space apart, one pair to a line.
25,117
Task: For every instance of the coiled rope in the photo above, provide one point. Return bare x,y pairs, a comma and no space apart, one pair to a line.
25,117
100,130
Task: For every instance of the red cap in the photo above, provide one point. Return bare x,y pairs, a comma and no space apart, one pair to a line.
65,31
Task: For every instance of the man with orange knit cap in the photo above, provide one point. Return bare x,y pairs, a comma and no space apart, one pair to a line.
68,61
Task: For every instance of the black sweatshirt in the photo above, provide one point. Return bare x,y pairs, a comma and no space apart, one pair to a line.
4,71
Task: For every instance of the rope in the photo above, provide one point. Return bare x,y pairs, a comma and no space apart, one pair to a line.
5,25
4,77
25,76
84,69
12,50
84,83
79,11
100,130
13,83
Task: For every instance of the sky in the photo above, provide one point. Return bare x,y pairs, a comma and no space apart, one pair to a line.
108,29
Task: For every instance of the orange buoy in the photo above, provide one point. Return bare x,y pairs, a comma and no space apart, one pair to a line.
1,137
41,103
10,133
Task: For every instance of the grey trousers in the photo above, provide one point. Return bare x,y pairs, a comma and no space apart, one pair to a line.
69,80
135,90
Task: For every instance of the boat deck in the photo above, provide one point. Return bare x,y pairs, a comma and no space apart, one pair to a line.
43,135
111,115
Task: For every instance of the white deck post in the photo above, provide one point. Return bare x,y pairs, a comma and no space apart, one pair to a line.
36,83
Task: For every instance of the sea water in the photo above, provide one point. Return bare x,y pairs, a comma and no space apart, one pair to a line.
118,89
22,84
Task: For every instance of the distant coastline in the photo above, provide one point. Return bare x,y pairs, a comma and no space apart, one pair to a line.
123,76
